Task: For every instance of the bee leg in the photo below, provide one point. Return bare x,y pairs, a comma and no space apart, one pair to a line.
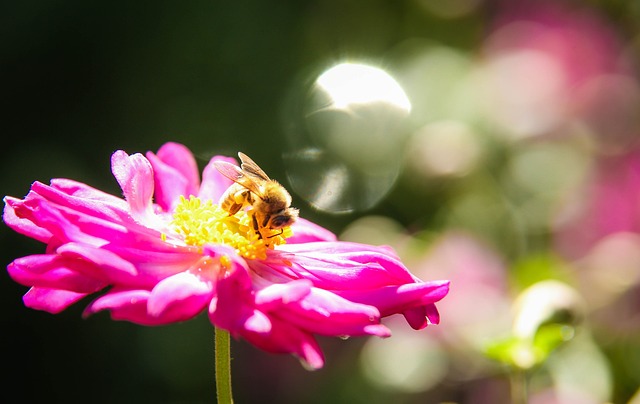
273,235
255,225
238,199
234,208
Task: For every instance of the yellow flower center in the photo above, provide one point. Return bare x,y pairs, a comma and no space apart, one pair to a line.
200,223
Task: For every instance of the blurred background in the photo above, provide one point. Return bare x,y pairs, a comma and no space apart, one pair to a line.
493,143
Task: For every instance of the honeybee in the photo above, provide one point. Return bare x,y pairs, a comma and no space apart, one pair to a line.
269,201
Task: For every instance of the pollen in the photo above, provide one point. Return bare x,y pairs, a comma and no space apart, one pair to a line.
225,261
199,223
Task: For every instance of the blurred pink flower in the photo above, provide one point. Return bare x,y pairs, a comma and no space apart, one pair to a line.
583,43
552,62
166,252
609,203
481,280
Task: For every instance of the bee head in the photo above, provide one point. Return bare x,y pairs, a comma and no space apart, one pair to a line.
284,218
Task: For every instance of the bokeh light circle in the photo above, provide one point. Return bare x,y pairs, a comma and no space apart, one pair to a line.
346,135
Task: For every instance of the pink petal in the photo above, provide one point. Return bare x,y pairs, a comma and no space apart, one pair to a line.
233,304
135,176
82,192
285,338
416,318
305,231
94,204
126,305
257,323
170,184
325,313
23,226
213,183
277,295
50,300
175,173
181,296
67,225
53,272
397,299
112,266
334,267
69,220
432,314
179,157
340,265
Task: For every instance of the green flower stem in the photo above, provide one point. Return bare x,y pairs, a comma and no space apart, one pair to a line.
223,367
519,390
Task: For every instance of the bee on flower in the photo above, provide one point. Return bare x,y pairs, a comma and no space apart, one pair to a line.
269,201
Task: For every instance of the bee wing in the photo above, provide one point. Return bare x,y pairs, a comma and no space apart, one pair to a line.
250,167
239,176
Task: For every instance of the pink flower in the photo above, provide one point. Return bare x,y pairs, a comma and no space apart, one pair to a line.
166,252
549,63
606,205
